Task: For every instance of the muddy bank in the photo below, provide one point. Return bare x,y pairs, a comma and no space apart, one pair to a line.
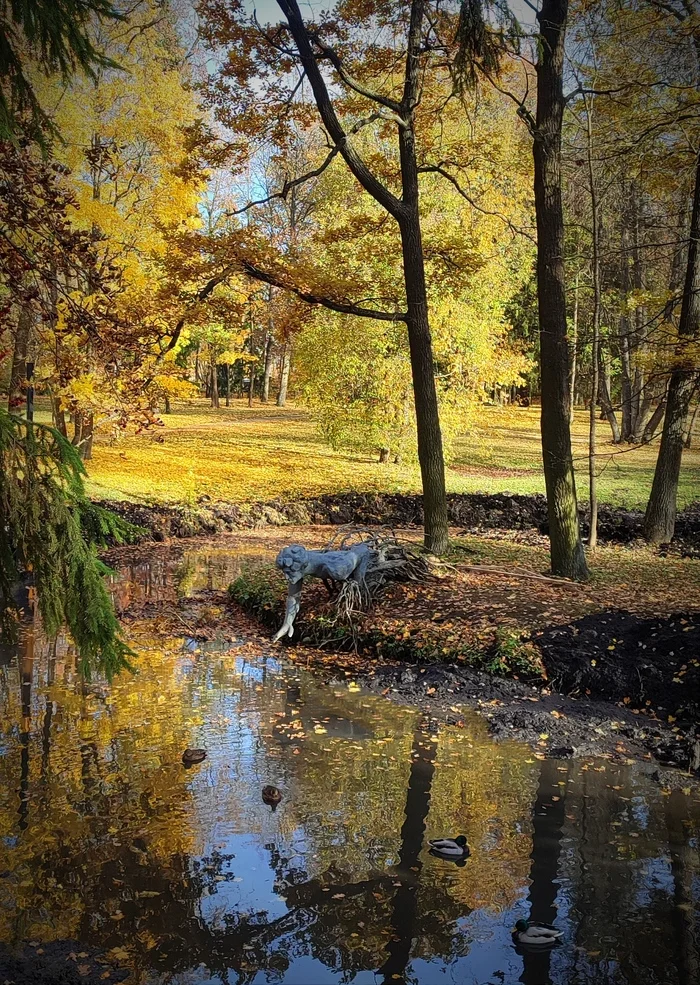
468,511
610,683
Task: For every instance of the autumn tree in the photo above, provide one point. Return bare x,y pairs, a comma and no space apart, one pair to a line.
266,76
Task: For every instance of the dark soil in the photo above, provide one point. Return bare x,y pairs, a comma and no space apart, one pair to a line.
57,963
469,511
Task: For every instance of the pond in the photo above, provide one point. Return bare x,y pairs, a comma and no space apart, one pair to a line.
185,875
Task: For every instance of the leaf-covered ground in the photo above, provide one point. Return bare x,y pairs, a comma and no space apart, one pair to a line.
240,454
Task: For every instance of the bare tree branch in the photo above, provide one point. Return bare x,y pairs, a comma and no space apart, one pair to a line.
439,169
342,307
351,83
369,181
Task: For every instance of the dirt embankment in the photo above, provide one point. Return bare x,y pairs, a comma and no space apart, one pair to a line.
469,511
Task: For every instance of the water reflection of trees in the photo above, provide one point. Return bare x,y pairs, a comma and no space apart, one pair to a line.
105,837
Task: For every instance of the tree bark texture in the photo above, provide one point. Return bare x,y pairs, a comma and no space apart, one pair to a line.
660,517
18,373
566,550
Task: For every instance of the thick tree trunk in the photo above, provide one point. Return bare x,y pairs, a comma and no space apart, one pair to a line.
384,454
18,373
566,550
660,518
228,384
251,386
284,376
430,453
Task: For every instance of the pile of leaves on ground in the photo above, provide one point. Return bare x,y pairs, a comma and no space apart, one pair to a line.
470,511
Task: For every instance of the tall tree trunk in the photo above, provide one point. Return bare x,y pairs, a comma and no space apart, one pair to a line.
214,384
566,550
660,518
251,385
691,425
228,384
654,421
269,346
284,376
18,373
573,354
406,213
430,453
595,343
604,396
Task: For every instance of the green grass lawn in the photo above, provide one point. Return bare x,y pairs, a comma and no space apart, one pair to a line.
240,454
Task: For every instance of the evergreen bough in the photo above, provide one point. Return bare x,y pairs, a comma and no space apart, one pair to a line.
58,35
49,532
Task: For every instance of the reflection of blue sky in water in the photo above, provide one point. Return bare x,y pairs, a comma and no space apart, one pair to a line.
311,892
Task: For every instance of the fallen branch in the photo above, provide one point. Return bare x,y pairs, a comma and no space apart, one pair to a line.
489,569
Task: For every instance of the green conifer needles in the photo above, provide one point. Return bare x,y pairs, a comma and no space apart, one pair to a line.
49,532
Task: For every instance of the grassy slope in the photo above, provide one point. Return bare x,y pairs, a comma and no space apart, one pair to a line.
239,454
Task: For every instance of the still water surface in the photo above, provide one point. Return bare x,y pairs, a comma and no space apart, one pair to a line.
187,875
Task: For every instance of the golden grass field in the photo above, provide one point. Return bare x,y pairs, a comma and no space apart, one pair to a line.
241,454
